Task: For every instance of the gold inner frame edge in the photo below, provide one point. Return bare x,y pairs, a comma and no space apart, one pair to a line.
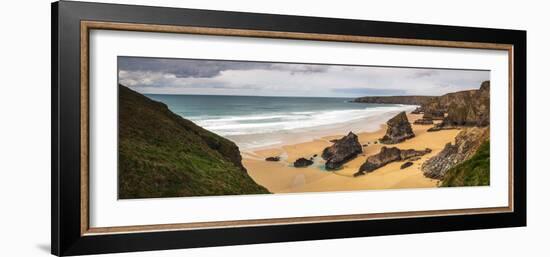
86,26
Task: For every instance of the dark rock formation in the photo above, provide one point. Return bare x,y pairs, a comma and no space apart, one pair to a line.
411,153
424,122
342,151
464,109
409,100
387,155
435,114
466,144
161,154
399,129
273,159
302,162
459,109
471,109
438,127
406,165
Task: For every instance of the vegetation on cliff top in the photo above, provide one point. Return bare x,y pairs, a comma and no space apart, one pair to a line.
472,172
161,154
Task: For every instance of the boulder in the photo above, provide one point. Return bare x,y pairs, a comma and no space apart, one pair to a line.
387,155
399,129
302,162
342,151
466,144
406,165
273,159
424,122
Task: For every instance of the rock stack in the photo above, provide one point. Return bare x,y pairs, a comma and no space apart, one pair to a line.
342,151
399,129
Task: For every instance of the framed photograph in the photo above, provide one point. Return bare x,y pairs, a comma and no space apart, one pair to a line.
178,128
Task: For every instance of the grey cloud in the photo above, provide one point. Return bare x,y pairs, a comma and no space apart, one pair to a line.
299,68
424,73
192,68
184,68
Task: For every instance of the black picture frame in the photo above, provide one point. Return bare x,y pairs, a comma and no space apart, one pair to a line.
66,234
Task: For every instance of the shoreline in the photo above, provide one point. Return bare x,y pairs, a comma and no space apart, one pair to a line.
282,177
251,143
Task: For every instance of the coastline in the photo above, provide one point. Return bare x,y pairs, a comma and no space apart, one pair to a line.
282,177
250,143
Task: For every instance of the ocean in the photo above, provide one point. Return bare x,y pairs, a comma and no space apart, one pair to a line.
254,122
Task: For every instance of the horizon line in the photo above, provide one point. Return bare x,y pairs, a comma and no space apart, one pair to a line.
352,97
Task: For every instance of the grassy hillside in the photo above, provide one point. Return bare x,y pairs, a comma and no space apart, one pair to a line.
472,172
161,154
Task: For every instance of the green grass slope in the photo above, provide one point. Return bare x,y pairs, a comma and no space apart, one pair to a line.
161,154
472,172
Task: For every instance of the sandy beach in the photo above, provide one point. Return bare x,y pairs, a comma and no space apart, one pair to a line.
282,177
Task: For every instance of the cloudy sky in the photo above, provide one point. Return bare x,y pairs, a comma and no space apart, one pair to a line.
214,77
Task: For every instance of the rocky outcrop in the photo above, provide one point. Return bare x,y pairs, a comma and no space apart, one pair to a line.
438,114
342,151
464,109
471,109
399,129
467,142
388,155
459,109
273,159
302,162
409,99
424,122
161,154
411,153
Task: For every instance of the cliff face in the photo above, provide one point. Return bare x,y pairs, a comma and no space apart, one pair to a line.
464,108
164,155
410,99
